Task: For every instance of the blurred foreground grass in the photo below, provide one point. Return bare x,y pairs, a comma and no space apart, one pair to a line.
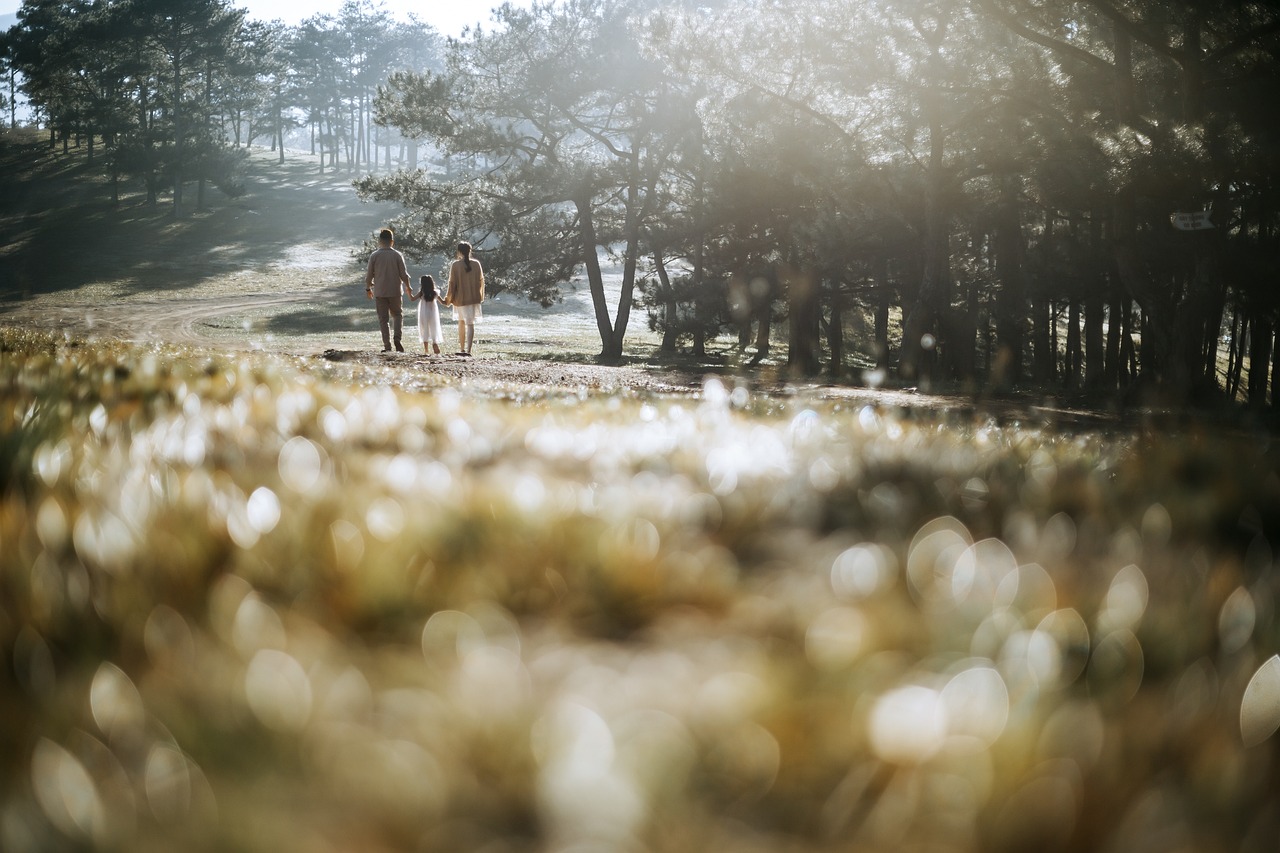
254,603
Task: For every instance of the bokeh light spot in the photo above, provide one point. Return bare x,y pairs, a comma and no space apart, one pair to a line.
977,708
66,792
908,725
278,690
836,638
302,464
1260,707
115,702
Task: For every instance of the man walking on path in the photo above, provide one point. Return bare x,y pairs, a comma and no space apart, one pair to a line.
382,283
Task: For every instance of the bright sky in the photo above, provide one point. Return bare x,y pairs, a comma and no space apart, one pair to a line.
447,16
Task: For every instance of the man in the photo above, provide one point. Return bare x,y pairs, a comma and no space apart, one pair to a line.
386,271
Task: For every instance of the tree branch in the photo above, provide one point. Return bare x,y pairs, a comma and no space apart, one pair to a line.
1139,33
1036,37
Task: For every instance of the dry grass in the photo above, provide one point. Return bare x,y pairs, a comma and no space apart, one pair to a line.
262,602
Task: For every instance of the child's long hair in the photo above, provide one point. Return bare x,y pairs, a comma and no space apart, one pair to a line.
427,288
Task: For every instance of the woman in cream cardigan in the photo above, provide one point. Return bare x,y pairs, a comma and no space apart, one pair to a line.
465,293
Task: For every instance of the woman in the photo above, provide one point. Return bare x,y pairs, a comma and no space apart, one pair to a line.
465,293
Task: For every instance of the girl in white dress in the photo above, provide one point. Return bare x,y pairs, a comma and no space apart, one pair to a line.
429,303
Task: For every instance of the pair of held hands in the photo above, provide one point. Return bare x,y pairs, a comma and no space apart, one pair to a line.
368,292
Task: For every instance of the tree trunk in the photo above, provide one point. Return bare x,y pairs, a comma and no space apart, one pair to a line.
1275,372
1094,342
670,310
1111,364
179,133
1259,361
1042,353
208,120
1235,355
802,324
595,280
764,328
883,297
835,335
1128,355
1072,372
631,258
1043,350
920,331
1094,313
1011,301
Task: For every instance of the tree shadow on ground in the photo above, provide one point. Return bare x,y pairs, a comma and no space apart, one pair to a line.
59,229
329,312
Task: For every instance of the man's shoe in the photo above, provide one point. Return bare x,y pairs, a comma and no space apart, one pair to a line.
399,348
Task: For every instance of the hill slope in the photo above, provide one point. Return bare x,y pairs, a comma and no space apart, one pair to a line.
70,252
273,269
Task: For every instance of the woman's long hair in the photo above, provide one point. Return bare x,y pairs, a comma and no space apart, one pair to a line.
464,249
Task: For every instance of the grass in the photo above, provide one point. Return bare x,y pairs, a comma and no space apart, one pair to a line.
258,602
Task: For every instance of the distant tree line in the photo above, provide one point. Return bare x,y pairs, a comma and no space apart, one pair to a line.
173,89
1079,194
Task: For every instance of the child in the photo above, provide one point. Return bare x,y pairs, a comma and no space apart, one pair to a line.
429,303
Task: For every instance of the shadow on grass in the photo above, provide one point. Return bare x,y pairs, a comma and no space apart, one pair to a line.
312,318
59,229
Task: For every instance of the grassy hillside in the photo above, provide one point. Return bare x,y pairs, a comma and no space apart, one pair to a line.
271,269
261,603
60,229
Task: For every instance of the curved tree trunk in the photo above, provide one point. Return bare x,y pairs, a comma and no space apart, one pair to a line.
595,277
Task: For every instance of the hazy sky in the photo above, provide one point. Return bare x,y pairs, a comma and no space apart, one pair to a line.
447,16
